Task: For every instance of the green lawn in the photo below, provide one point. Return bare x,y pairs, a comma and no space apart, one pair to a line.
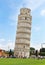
14,61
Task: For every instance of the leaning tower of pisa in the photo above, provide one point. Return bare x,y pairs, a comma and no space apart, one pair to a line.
23,34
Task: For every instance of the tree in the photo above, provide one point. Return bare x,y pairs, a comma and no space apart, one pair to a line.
36,53
11,53
32,51
31,48
42,52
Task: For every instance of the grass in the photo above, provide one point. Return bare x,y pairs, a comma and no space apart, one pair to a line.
14,61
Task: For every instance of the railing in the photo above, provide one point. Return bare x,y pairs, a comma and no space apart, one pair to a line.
24,25
22,41
24,21
23,30
22,36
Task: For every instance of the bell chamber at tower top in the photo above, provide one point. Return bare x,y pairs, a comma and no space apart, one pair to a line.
24,11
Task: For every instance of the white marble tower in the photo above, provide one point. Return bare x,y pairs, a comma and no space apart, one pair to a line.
23,35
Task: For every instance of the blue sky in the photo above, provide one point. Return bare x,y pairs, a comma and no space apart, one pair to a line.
9,10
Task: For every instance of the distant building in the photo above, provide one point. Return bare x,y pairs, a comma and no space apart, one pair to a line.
23,35
0,52
3,53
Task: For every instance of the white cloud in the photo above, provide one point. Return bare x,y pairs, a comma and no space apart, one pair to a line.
13,17
15,8
12,24
1,47
8,44
33,4
2,40
36,46
43,45
37,28
42,13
